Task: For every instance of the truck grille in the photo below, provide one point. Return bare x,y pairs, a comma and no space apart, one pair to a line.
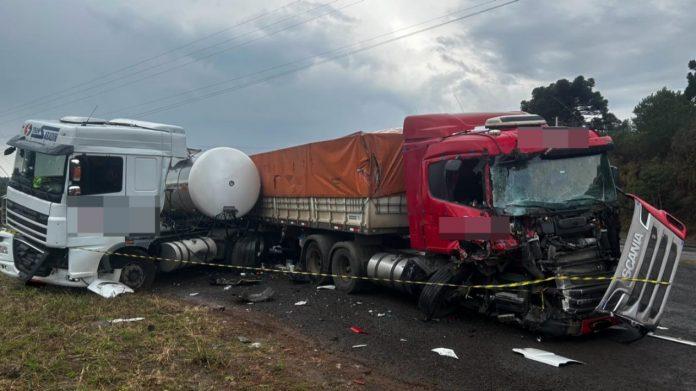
650,253
29,223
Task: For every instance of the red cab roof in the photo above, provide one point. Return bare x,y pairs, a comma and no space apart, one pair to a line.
420,127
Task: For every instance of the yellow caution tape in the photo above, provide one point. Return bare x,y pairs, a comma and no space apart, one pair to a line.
375,279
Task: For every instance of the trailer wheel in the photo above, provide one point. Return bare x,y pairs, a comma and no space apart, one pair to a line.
435,301
317,257
137,274
347,259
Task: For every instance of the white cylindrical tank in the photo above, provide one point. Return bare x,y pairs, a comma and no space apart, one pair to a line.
217,178
224,177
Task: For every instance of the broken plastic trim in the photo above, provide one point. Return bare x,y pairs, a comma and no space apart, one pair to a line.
545,357
652,250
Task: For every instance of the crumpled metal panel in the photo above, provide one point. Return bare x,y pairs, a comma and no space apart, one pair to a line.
646,269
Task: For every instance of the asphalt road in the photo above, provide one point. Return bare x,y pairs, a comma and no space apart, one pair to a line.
399,343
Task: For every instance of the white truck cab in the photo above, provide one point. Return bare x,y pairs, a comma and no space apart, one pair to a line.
82,189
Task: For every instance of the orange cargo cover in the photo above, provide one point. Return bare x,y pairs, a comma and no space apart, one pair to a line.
357,165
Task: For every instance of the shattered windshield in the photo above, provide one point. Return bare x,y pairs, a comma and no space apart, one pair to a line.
552,183
39,174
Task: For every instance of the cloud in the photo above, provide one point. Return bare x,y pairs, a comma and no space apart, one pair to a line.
487,62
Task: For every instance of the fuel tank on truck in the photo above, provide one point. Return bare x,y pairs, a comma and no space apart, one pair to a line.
211,181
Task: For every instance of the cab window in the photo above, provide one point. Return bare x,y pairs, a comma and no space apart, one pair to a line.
100,175
459,182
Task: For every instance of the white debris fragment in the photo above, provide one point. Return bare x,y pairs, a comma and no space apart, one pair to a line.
255,345
359,346
126,320
673,339
328,287
303,302
446,352
228,287
108,289
662,328
545,357
193,294
381,314
402,339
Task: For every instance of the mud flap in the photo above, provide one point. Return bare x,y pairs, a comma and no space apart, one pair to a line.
646,268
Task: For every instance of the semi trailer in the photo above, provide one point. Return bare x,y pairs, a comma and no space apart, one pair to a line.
495,212
89,199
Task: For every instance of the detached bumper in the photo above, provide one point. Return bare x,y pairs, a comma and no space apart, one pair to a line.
646,269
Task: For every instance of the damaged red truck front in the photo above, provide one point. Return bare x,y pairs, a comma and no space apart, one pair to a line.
497,212
529,218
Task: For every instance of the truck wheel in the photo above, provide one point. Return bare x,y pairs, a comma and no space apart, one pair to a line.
435,301
137,274
347,259
317,258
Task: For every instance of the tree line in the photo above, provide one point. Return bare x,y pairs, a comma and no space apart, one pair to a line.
655,149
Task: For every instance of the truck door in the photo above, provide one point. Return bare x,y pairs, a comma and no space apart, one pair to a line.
143,192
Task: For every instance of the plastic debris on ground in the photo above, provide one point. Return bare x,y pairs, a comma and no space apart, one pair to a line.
327,287
357,330
379,315
402,340
193,294
255,345
243,339
303,302
108,289
445,352
266,295
359,346
673,339
126,320
545,357
234,281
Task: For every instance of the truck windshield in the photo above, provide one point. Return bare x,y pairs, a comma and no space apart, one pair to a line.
552,183
39,174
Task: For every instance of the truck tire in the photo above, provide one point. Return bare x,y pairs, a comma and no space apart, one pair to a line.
137,274
349,259
247,252
316,257
434,300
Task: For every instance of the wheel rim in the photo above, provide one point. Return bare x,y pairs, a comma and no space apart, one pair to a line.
132,275
344,267
314,260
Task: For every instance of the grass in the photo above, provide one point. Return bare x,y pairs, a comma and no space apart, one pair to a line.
56,338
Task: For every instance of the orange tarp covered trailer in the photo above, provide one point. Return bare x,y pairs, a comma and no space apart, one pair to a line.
357,165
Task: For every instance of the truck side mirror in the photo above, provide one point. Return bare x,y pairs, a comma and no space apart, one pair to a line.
9,150
75,170
615,174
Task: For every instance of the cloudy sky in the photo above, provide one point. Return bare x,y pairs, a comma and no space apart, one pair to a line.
263,74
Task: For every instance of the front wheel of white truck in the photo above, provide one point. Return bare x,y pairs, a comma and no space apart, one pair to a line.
136,273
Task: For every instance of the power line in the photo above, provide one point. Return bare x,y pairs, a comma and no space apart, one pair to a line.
312,57
148,59
65,103
331,58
